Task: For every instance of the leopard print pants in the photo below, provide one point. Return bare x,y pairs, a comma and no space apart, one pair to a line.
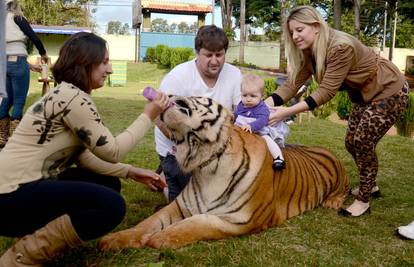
367,124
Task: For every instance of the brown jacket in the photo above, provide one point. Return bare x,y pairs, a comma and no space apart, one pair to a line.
361,72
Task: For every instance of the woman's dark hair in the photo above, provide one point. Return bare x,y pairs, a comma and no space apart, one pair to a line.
211,38
77,57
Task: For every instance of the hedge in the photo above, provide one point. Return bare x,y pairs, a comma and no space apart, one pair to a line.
168,56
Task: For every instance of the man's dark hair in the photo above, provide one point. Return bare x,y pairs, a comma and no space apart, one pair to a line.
77,57
211,38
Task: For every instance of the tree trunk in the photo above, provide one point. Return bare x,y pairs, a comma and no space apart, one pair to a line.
226,12
282,56
357,6
229,10
337,14
394,32
242,29
223,13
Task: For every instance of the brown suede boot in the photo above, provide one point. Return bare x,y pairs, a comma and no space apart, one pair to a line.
13,126
4,131
43,245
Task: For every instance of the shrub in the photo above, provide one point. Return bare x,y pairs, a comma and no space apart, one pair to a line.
168,57
159,50
231,35
326,109
179,55
150,55
246,65
270,87
405,125
165,57
343,105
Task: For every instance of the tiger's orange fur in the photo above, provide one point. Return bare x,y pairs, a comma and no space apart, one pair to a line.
233,190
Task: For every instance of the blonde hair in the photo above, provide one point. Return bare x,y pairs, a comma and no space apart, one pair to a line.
14,7
323,40
252,80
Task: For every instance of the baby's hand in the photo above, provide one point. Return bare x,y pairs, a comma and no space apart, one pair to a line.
247,128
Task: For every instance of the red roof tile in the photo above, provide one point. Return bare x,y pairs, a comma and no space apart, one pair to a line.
166,6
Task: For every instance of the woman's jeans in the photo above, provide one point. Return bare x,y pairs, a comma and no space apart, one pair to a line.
91,200
17,86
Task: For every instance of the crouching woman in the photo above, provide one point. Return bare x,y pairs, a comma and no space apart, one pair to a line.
48,204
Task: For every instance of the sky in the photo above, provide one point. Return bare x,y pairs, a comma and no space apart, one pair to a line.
121,10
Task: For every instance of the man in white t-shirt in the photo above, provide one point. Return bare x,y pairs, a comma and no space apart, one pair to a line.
207,75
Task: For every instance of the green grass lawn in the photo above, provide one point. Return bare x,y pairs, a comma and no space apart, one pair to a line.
317,238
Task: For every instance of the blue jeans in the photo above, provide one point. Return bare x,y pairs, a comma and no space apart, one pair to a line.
176,178
17,86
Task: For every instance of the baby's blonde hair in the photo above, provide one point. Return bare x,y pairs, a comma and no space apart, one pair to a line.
252,80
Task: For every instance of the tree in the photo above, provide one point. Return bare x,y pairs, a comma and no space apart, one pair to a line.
242,30
58,12
183,27
337,14
372,17
357,7
174,27
159,25
226,13
194,27
116,27
405,32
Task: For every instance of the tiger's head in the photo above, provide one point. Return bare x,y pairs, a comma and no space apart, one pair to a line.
199,126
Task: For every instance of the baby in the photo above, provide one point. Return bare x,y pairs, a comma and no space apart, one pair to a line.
252,115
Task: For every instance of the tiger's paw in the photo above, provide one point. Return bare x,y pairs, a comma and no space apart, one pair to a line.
161,240
333,202
120,240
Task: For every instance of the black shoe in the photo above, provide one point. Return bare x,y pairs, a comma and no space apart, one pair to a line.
278,164
374,194
345,213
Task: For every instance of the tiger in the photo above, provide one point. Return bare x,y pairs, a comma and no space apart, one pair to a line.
233,189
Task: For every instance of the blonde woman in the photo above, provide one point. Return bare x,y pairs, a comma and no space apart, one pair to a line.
18,31
338,61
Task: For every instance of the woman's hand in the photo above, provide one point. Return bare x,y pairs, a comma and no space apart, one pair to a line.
44,59
35,67
150,178
158,105
247,128
278,114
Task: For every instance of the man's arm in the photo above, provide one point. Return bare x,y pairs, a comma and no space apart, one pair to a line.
165,131
170,85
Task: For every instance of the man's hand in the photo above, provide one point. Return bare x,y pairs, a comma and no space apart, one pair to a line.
150,178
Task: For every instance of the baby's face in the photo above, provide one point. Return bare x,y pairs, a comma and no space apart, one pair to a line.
251,96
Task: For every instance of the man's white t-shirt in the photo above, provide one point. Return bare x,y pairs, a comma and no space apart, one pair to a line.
185,80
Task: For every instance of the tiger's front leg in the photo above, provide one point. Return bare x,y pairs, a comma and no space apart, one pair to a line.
138,235
195,228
